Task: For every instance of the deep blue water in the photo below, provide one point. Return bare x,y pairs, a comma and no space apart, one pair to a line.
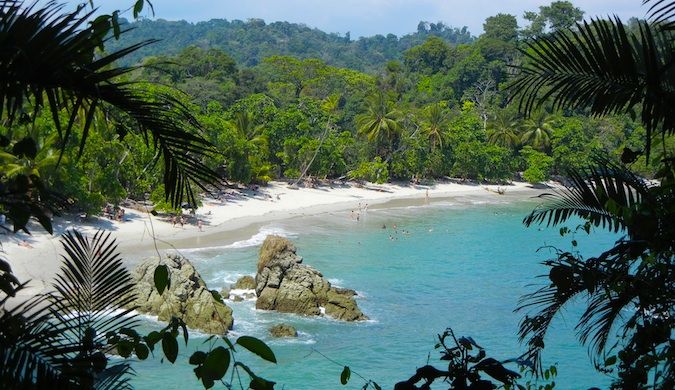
454,263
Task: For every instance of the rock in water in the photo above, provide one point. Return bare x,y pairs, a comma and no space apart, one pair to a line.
244,283
284,284
187,296
283,330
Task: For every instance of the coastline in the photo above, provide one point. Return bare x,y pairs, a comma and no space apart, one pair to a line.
234,218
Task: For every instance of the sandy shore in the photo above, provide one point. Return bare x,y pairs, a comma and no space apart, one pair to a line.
228,219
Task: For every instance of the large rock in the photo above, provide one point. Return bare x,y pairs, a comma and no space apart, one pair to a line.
187,297
244,283
283,330
284,284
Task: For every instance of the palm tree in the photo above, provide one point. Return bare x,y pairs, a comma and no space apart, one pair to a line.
501,131
435,124
59,340
381,122
59,70
256,144
537,130
606,68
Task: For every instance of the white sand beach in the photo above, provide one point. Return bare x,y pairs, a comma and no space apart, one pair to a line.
36,257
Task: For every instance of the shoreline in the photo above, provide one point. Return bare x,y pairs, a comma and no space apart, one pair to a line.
236,218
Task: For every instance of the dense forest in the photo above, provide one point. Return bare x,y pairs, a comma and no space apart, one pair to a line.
593,101
250,42
430,105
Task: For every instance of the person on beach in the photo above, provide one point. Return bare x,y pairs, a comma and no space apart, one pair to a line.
199,225
182,222
173,221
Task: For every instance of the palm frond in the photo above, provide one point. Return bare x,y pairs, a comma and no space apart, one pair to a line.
604,67
661,11
92,290
49,60
604,195
57,340
548,301
26,347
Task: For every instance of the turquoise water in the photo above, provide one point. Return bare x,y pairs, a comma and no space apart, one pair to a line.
461,264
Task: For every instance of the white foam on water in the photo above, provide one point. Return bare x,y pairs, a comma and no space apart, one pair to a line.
255,240
225,278
258,238
336,282
245,294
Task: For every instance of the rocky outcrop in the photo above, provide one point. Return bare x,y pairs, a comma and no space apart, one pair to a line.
283,330
244,283
187,296
284,284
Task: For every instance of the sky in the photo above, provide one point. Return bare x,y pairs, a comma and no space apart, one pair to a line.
366,17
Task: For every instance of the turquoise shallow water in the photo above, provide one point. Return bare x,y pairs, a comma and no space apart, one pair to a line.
462,264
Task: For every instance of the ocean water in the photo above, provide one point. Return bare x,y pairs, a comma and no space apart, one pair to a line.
453,263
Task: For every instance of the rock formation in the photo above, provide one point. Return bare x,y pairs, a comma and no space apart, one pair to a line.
187,296
284,284
244,283
283,330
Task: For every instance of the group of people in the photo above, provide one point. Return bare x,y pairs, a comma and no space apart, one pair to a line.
113,213
356,215
182,221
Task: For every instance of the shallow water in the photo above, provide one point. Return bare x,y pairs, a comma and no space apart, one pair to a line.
454,263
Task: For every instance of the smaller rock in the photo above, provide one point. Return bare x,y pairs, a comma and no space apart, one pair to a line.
225,292
245,283
283,330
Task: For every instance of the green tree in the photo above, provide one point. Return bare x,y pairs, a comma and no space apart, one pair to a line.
502,130
537,130
538,165
60,70
503,27
558,16
428,57
435,122
381,123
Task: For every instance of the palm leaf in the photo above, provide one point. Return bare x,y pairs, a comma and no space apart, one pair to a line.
662,11
55,339
604,67
48,59
604,195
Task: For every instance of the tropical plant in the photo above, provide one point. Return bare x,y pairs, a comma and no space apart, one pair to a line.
58,340
59,70
537,130
607,68
502,130
629,286
381,122
434,125
467,368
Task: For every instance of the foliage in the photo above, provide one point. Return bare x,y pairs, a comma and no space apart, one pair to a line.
59,71
375,171
59,339
606,68
467,368
250,42
538,165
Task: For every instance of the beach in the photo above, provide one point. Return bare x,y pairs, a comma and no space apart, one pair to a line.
234,216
